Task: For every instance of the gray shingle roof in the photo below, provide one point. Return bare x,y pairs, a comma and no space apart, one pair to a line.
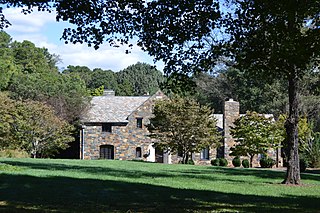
112,108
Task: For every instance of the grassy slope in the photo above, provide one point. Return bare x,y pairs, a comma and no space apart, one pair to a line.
37,185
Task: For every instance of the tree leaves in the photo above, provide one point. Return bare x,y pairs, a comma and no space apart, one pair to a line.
181,124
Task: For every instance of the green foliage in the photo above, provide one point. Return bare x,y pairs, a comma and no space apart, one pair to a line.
97,92
32,127
182,124
223,162
30,58
219,162
303,163
312,152
190,162
79,71
7,114
274,40
236,162
105,78
254,134
215,162
245,163
39,131
214,90
65,93
13,153
305,135
143,78
267,162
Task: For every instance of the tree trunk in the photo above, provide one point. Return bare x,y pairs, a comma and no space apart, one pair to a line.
291,125
186,158
251,160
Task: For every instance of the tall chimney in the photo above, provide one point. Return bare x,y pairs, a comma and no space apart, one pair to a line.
231,113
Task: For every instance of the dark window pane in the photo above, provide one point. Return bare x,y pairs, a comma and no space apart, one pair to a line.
138,152
139,122
204,155
106,127
107,152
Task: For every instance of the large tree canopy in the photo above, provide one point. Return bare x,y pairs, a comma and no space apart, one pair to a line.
278,40
168,30
271,39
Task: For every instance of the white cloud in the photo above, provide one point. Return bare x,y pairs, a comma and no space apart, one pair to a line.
29,23
42,29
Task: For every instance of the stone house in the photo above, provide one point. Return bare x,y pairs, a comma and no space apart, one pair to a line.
114,127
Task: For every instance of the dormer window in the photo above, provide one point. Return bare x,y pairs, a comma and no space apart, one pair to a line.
139,122
106,127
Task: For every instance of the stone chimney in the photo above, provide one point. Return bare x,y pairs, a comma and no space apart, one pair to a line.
231,113
108,93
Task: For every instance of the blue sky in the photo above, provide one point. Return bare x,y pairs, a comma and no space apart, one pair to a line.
42,29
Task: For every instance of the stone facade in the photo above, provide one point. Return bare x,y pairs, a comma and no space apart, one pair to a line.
125,137
126,134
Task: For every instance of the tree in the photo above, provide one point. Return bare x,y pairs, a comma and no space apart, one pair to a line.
7,65
33,127
105,78
255,134
65,93
82,71
181,124
304,137
275,39
278,40
38,130
143,78
214,90
7,112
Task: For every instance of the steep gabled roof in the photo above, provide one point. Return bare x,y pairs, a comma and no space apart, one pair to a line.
112,109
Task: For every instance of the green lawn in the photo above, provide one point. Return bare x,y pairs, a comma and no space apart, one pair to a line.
43,185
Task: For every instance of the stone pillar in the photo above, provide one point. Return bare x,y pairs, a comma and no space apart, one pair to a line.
231,113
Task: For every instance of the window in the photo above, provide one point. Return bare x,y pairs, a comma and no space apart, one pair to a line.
106,152
106,127
138,152
139,122
204,154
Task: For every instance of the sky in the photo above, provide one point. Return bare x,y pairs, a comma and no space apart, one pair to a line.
42,29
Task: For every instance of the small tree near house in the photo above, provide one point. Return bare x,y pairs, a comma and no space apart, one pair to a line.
254,134
38,130
183,125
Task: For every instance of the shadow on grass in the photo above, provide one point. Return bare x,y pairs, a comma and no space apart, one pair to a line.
205,173
22,193
264,173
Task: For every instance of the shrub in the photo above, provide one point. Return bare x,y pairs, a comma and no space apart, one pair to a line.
223,162
312,152
190,162
236,162
215,162
267,162
13,153
303,164
245,163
